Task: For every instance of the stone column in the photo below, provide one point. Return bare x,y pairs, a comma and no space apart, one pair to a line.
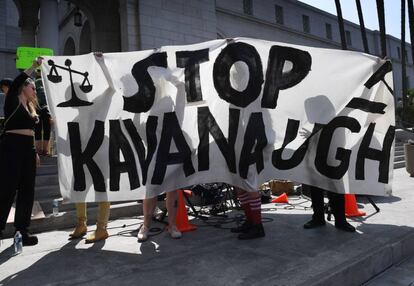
49,26
28,21
28,35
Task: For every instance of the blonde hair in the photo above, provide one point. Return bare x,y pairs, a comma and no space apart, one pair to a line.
32,103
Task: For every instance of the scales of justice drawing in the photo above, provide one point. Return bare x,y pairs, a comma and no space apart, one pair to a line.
85,86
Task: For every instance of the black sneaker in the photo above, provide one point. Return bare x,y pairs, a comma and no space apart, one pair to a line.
241,228
254,231
345,226
28,239
314,223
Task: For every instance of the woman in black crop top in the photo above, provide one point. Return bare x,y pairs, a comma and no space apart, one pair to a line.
18,159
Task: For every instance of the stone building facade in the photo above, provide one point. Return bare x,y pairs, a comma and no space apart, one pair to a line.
129,25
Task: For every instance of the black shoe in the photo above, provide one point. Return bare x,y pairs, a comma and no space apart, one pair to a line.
345,227
254,231
241,228
314,223
28,239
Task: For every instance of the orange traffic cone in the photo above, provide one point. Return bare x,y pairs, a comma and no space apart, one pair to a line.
282,199
182,217
351,208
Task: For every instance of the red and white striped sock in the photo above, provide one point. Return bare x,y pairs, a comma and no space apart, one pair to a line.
256,210
244,202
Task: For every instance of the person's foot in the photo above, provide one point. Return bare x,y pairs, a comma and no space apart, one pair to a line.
79,231
254,231
28,239
241,228
345,226
174,232
98,235
143,233
313,223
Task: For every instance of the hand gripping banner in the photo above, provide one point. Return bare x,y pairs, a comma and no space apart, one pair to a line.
240,111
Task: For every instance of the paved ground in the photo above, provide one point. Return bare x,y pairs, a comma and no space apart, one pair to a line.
211,255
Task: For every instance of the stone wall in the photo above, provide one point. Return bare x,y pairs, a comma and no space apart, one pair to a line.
9,38
176,22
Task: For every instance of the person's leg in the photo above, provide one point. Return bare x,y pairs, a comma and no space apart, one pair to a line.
318,217
9,177
172,204
25,195
81,219
101,223
337,202
256,229
243,198
148,208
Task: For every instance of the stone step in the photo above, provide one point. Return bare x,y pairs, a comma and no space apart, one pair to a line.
404,135
47,205
67,219
399,158
399,148
48,160
47,180
46,170
398,274
399,152
47,192
399,165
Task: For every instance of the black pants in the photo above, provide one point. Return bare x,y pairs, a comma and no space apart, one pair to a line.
336,202
17,173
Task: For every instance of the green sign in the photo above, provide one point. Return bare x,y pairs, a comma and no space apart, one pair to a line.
26,55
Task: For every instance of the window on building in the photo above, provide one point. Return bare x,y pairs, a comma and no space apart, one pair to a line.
248,7
399,53
279,14
348,38
306,23
328,28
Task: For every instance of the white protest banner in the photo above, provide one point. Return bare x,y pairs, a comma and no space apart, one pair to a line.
240,111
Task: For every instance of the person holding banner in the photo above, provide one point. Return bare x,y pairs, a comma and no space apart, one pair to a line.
251,202
18,158
337,204
313,106
102,218
149,207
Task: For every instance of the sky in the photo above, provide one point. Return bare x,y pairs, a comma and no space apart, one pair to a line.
369,9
